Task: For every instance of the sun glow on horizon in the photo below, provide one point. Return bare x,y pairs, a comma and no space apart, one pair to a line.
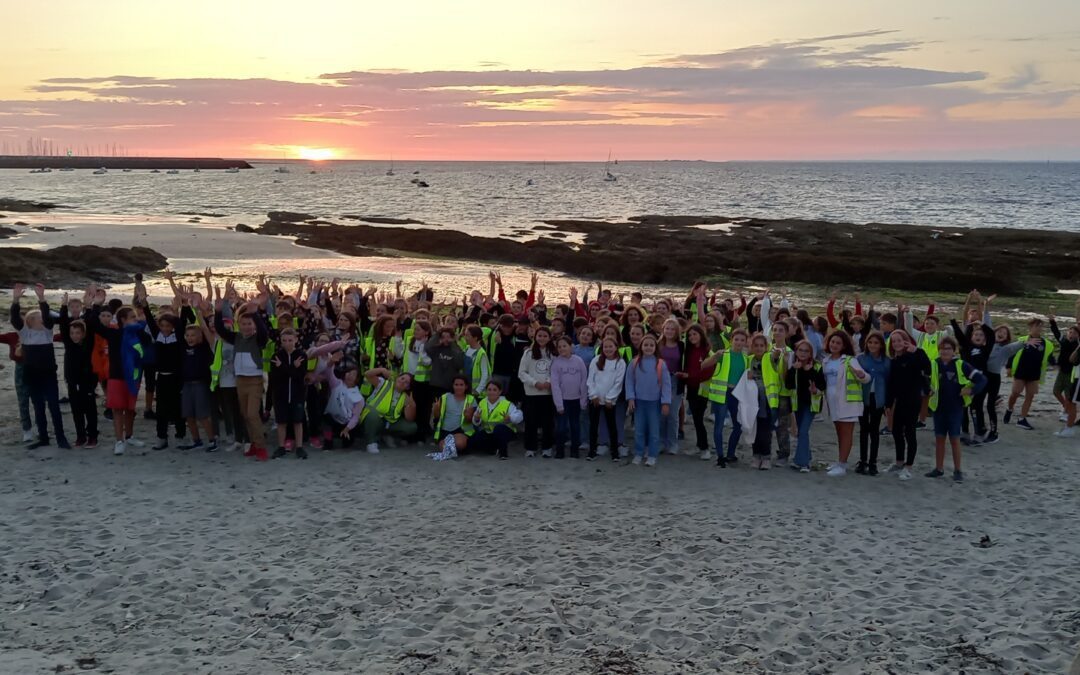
316,154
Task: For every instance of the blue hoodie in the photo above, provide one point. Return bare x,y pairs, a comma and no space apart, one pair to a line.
645,383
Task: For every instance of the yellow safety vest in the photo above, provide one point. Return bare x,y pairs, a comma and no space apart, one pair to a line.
929,344
771,379
477,368
852,386
717,387
466,420
380,401
1048,350
492,416
935,382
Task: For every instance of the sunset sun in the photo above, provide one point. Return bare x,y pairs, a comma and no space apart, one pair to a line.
315,154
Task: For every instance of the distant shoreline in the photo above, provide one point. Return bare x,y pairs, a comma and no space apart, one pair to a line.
210,163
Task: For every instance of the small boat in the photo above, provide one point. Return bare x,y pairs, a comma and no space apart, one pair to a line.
67,168
608,176
126,170
155,171
198,170
390,171
233,169
529,183
42,170
172,172
101,171
281,169
416,173
421,183
313,172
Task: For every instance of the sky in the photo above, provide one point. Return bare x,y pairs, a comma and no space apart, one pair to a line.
550,80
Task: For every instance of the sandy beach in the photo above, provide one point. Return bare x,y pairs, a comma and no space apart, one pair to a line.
172,562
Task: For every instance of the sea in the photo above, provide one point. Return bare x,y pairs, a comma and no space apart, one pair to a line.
491,198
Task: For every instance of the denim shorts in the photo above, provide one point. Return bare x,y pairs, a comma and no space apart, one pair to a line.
947,423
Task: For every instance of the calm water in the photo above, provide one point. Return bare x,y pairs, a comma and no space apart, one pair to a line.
490,197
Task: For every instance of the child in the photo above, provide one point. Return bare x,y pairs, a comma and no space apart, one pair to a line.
806,383
607,373
390,409
569,392
125,368
80,378
670,349
767,369
726,368
696,350
1028,369
287,372
904,390
952,384
39,365
454,413
345,402
534,372
874,361
648,396
195,403
494,419
844,378
248,347
477,363
169,361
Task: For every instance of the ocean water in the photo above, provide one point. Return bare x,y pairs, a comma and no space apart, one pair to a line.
490,198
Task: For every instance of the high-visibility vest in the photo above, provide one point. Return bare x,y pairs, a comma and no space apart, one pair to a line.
215,366
1048,350
717,387
784,391
770,378
852,386
466,424
494,415
423,370
380,401
815,399
477,368
928,342
935,382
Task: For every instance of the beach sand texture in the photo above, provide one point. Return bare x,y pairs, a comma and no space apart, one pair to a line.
166,562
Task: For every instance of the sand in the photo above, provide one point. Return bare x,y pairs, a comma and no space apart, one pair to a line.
173,562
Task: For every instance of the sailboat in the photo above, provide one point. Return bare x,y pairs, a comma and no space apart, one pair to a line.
233,169
608,176
390,171
281,169
101,172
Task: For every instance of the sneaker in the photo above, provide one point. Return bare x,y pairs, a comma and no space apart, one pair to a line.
301,453
601,449
1062,417
161,444
530,453
503,454
62,443
135,443
212,446
706,455
732,459
575,454
624,451
755,463
936,473
764,464
781,462
560,454
547,453
991,438
279,453
838,469
149,415
615,457
1007,418
905,474
860,468
90,443
895,468
804,469
190,445
315,442
636,460
721,462
289,444
1024,424
260,454
650,461
682,435
591,456
119,448
957,477
1067,432
871,470
80,442
39,443
373,448
885,431
249,450
920,425
235,447
28,436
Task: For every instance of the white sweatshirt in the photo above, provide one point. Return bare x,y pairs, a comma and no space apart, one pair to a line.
606,384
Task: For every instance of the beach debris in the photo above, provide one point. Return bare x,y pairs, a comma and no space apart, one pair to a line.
424,656
965,651
87,662
615,662
984,542
562,617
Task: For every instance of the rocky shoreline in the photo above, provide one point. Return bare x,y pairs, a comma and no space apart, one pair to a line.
76,266
677,250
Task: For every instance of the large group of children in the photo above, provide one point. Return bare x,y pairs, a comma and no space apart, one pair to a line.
331,364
